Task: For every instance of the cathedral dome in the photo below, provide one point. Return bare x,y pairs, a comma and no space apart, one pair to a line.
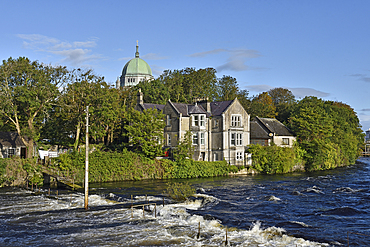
134,71
136,66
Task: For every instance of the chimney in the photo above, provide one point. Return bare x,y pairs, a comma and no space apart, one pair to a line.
140,100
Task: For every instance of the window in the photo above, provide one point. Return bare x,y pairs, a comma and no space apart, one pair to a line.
201,138
202,120
285,141
215,123
239,155
236,121
195,139
199,120
168,119
195,120
11,152
168,140
236,139
215,156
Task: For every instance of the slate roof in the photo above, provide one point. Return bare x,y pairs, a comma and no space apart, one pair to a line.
268,125
11,139
152,106
217,108
181,108
257,131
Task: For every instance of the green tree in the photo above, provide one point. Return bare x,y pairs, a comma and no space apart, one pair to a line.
145,131
27,91
184,149
227,88
262,106
284,101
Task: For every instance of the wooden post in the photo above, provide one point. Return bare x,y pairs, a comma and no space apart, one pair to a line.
49,192
57,192
198,231
155,210
32,187
143,212
132,213
132,201
163,201
87,161
226,237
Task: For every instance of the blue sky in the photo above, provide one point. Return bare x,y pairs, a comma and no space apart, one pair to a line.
317,48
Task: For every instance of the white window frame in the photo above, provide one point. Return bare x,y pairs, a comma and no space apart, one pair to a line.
168,140
236,120
285,141
10,155
195,138
168,119
236,139
215,156
239,156
202,122
202,138
199,120
195,120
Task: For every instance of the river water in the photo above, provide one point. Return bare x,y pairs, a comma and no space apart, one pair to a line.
329,208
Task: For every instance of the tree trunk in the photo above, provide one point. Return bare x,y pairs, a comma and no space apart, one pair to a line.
77,135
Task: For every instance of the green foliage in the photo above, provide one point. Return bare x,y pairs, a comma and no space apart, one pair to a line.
145,132
262,106
179,191
27,91
126,165
329,132
284,101
15,171
184,150
273,159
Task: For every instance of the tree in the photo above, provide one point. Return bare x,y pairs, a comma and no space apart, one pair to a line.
145,131
27,91
180,86
328,131
284,101
227,88
262,106
184,150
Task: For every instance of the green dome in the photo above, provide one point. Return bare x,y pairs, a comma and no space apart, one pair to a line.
136,66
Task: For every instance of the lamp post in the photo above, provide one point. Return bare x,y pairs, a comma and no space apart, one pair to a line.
87,161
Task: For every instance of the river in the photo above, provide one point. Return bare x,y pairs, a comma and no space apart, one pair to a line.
327,208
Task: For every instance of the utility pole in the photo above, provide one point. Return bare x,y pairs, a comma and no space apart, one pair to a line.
87,161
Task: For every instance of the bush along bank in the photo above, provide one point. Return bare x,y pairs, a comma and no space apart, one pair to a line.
16,171
110,166
274,159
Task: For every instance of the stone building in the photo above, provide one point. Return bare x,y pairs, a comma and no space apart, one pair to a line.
220,130
134,71
264,131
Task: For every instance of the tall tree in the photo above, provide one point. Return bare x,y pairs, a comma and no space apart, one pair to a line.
284,101
262,106
227,88
145,131
27,91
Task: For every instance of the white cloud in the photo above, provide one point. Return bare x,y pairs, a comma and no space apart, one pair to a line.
303,92
362,77
298,92
71,52
236,60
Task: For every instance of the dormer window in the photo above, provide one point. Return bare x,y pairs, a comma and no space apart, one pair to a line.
168,119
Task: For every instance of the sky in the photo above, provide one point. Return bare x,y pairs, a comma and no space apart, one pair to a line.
313,48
